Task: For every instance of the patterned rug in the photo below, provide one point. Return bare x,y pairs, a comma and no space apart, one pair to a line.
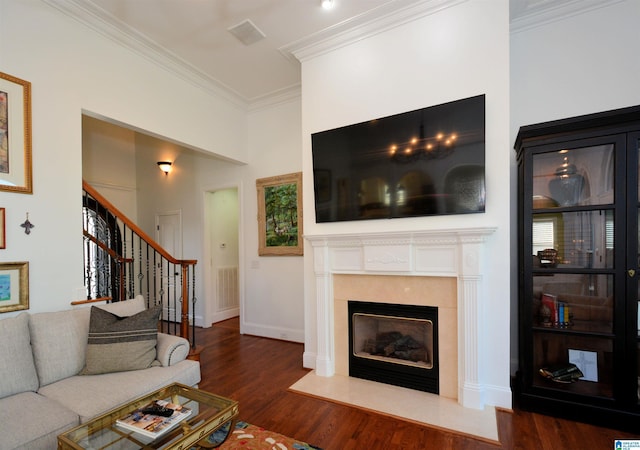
247,436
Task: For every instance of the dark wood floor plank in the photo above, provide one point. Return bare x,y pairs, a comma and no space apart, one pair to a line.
258,372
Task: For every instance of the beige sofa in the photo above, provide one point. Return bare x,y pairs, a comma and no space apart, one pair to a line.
42,392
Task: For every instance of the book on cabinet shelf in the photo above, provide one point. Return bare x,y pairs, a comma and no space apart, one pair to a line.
553,312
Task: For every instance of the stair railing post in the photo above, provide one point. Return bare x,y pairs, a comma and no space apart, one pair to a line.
184,323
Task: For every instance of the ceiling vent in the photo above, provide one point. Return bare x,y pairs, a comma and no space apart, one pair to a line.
247,32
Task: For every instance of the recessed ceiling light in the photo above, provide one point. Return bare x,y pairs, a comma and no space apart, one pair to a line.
328,4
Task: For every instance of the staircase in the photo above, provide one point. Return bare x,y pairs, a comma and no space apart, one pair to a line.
122,261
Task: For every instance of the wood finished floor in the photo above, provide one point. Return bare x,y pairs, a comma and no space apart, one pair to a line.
258,372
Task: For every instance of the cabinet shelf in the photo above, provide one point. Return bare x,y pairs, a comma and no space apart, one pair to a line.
567,209
580,387
579,329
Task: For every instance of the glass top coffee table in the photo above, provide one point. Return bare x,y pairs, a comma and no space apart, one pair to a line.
209,413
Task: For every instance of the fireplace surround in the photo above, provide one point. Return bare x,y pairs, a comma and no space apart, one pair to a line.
409,263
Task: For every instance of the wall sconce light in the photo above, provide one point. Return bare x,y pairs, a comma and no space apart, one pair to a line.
165,166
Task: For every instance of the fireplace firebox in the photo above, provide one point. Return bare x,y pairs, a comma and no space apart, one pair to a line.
394,344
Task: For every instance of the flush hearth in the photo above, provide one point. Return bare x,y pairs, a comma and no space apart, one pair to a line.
394,344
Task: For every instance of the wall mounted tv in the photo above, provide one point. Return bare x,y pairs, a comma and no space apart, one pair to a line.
430,161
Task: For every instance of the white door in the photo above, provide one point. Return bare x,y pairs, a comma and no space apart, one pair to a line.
169,232
222,235
169,236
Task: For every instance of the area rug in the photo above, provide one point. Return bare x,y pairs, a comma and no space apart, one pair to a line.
247,436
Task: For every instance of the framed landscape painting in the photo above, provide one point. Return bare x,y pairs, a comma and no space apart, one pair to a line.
15,134
14,286
280,215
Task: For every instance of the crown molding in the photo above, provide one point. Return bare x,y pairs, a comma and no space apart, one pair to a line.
281,96
107,25
378,20
534,15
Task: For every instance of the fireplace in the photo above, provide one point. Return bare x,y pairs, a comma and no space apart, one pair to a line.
403,266
394,344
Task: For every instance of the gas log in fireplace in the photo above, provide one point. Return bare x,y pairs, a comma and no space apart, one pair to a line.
394,344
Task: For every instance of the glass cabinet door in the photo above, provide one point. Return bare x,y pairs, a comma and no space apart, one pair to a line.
573,280
635,308
574,177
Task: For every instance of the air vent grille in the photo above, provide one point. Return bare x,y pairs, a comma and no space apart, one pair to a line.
247,32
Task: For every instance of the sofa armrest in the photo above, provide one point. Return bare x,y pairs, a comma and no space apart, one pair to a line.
171,349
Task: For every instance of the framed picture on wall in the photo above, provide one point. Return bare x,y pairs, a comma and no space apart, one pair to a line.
280,215
14,286
15,134
3,242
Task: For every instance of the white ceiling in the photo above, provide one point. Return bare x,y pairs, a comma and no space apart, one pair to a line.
194,33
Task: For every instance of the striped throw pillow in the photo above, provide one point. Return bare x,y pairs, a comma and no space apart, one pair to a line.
118,344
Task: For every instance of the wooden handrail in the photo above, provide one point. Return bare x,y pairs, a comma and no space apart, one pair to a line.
110,251
116,212
184,263
93,300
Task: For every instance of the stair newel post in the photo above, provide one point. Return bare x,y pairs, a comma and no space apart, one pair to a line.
184,323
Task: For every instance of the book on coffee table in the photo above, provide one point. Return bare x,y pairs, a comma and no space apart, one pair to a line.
154,425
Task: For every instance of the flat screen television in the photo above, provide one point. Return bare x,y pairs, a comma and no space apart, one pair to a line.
426,162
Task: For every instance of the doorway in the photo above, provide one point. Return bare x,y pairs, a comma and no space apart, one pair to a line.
222,255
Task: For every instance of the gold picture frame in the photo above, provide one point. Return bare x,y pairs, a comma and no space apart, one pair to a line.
14,286
3,235
280,215
15,135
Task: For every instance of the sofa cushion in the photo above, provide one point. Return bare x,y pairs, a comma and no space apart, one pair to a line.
17,370
59,342
31,421
119,344
88,397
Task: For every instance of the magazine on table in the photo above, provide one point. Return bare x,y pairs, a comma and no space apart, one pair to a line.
154,419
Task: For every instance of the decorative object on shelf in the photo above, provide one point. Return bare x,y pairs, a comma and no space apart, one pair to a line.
566,188
27,225
587,362
280,215
165,166
565,373
14,286
548,257
15,134
541,201
3,242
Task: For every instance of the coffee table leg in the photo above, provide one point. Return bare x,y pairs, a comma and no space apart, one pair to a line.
219,436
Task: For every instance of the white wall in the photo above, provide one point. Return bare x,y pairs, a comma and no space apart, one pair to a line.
270,307
580,64
438,58
271,294
72,69
109,163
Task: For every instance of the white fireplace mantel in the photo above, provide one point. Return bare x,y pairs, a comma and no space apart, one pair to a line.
455,253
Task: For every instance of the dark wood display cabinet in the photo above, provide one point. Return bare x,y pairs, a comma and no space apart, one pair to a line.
579,266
